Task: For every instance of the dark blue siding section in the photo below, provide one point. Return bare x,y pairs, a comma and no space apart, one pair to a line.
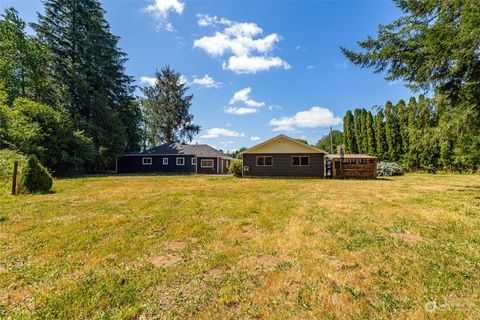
133,164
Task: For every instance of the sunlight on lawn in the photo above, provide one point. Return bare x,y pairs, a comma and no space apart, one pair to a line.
222,247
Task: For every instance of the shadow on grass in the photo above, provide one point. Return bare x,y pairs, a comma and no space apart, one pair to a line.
108,175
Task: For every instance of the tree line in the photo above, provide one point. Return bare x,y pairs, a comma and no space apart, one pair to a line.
65,95
432,47
409,133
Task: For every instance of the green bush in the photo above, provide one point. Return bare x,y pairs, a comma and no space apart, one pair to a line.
7,158
35,177
388,169
235,167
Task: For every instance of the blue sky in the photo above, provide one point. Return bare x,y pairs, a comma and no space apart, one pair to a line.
273,66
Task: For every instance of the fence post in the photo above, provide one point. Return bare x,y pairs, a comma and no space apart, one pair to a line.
14,178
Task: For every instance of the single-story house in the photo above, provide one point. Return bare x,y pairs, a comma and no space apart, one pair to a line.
351,166
175,158
283,156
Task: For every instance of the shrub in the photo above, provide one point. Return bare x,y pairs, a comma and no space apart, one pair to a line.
388,169
235,167
35,177
7,158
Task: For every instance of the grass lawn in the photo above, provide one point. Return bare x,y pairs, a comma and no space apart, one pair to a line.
220,247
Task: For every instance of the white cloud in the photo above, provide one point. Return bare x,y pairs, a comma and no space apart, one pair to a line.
205,20
254,138
273,107
148,80
240,110
313,118
248,51
160,10
244,96
246,64
310,67
207,81
221,132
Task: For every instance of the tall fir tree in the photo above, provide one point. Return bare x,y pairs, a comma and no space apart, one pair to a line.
90,68
167,109
349,133
380,139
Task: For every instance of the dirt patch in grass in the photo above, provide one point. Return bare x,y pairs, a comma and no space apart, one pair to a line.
263,262
165,261
409,238
214,272
333,261
175,245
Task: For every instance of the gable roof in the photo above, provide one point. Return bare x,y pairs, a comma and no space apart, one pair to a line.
299,147
198,150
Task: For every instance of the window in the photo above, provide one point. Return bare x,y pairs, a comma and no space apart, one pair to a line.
165,161
300,161
264,161
147,161
194,161
207,163
180,161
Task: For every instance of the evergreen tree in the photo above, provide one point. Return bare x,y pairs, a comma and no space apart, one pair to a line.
370,134
349,133
325,142
380,139
364,130
402,113
166,109
392,133
413,136
434,46
357,124
90,68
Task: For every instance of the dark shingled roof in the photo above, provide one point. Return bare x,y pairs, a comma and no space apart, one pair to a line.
199,150
350,156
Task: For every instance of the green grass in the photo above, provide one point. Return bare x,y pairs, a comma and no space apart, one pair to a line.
128,247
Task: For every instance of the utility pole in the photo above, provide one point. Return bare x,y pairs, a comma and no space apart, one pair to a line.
331,141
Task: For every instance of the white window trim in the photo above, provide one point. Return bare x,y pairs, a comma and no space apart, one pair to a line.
165,161
209,166
264,165
182,160
300,163
147,163
194,161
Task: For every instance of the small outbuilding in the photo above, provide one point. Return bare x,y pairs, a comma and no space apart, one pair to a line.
175,158
351,166
283,156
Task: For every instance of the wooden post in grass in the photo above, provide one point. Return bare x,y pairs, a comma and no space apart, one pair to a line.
14,178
